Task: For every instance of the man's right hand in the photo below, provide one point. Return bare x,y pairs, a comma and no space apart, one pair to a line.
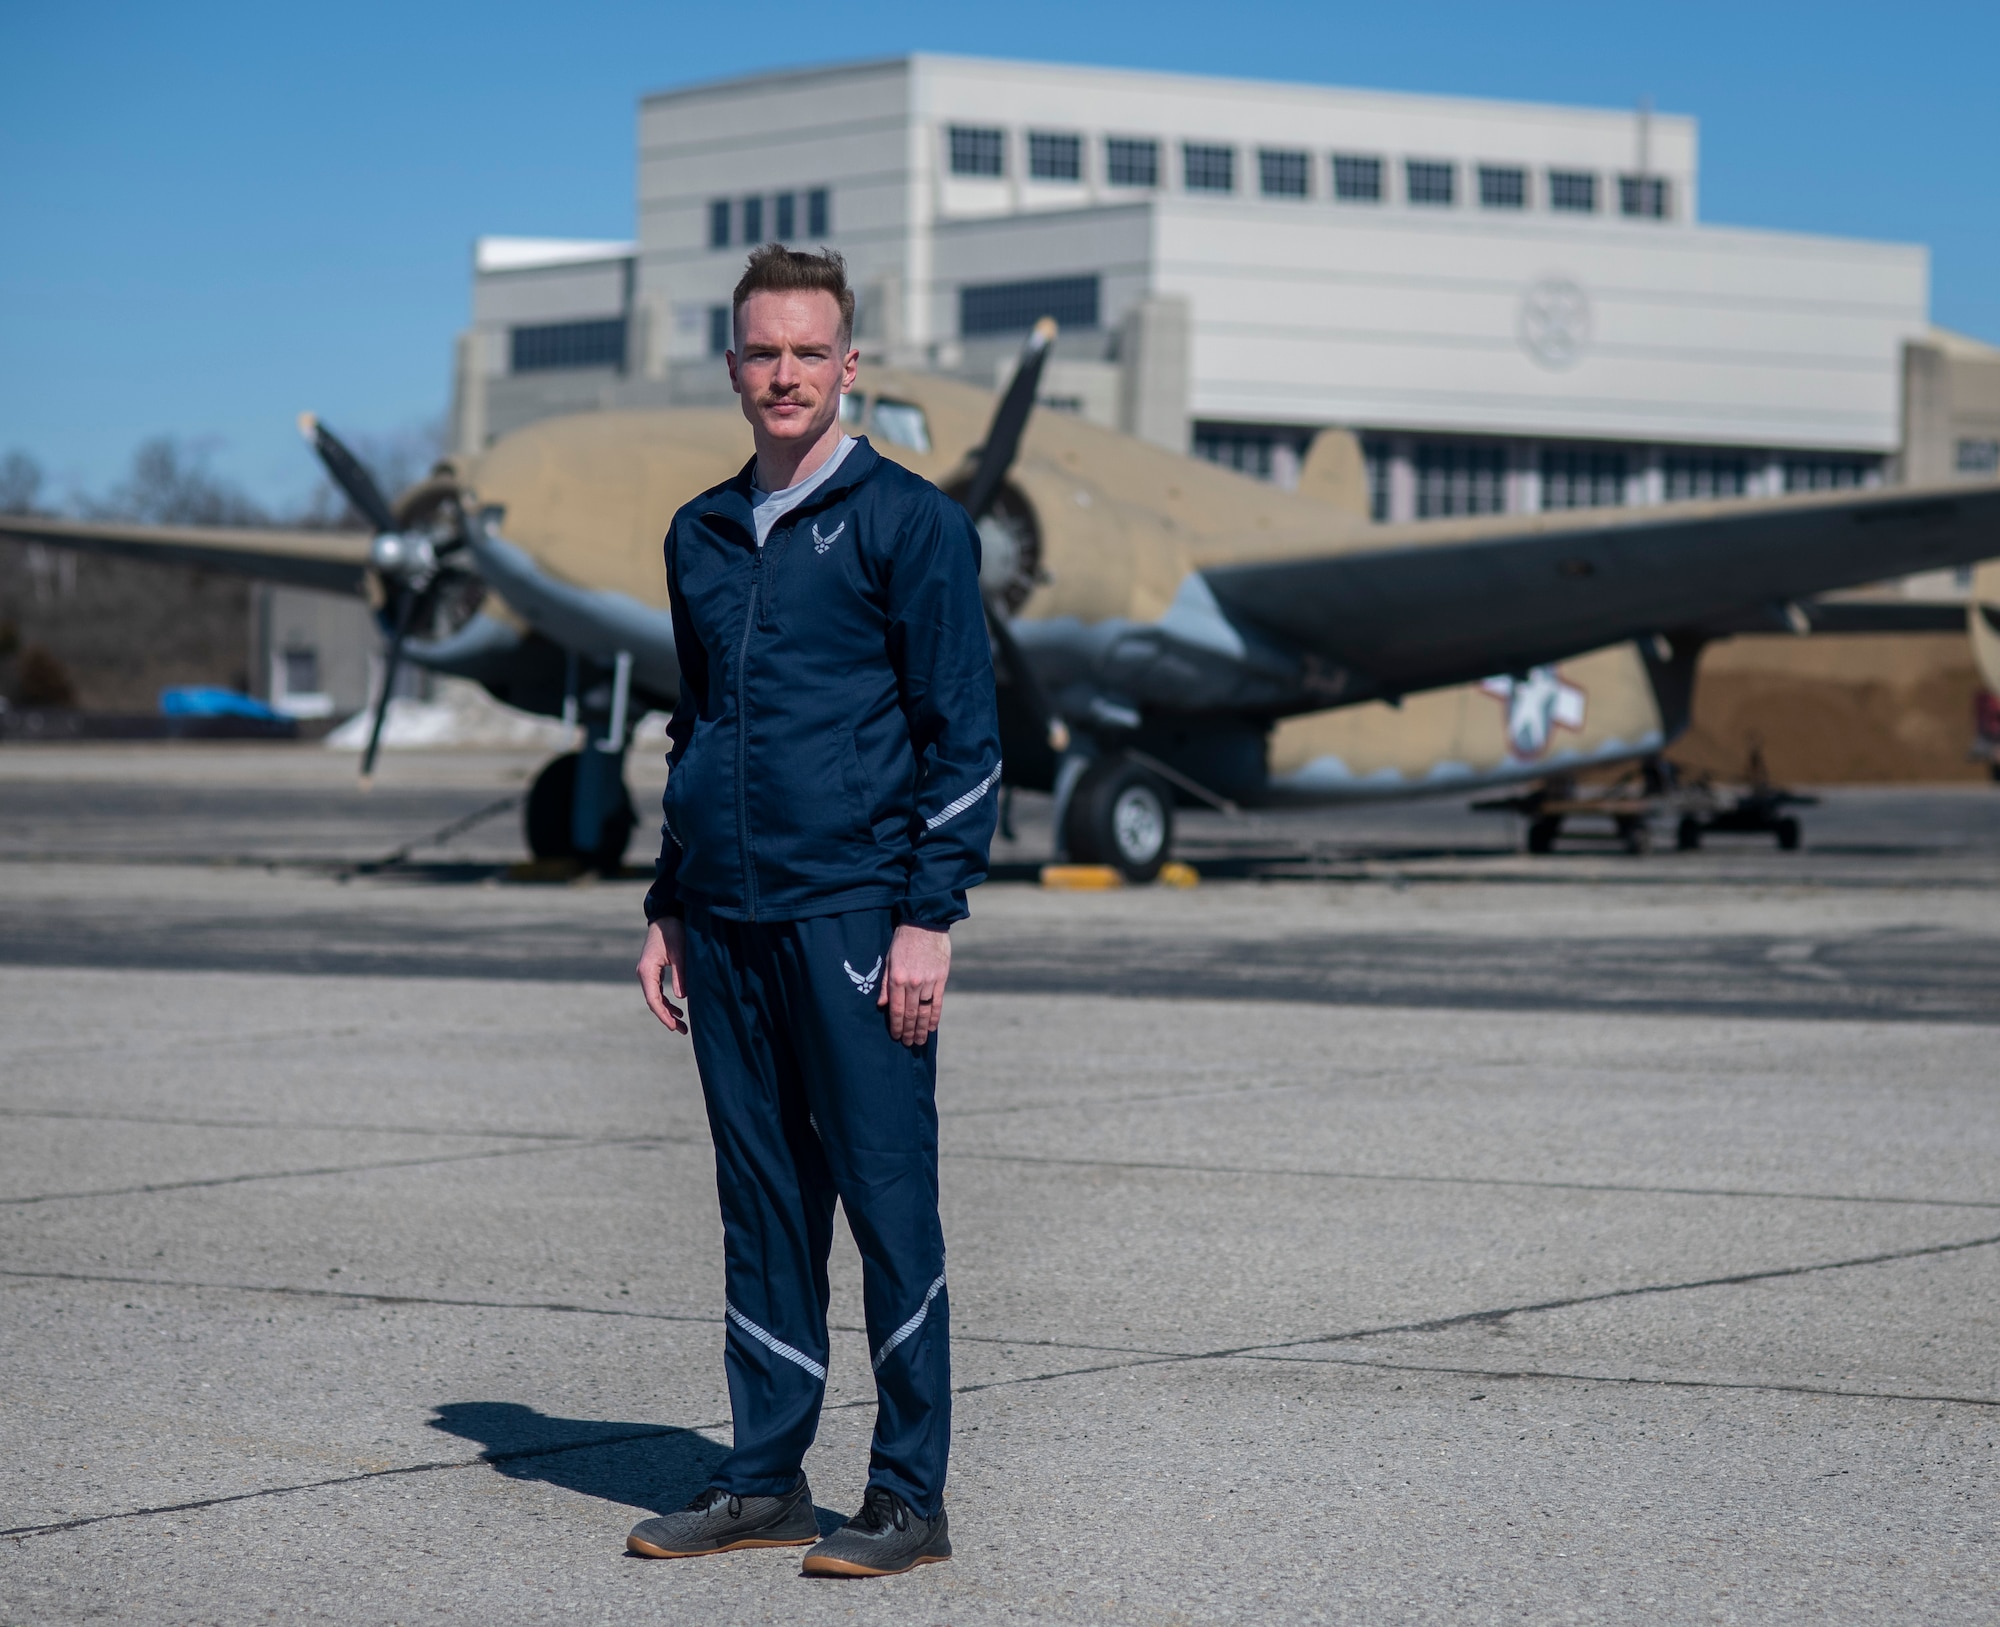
662,960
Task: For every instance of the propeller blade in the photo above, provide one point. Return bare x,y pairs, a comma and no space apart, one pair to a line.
404,614
349,473
1003,435
1023,678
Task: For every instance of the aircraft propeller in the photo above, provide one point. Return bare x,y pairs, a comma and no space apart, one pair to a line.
407,562
996,457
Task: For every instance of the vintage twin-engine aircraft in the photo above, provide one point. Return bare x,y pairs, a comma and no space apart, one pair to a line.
1164,629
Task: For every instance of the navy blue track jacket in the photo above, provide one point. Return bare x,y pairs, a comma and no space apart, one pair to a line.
836,745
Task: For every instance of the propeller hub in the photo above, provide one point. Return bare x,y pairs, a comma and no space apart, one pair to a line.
403,555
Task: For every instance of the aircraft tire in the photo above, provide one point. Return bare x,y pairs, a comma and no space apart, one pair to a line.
1687,834
546,821
1542,834
1122,816
1787,832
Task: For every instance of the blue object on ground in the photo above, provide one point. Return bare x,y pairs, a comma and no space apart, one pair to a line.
206,700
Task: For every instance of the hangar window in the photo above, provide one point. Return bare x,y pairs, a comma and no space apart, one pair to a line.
1375,458
784,217
1272,452
719,325
1206,168
552,345
1828,474
819,213
1015,307
1979,457
1643,195
753,220
1502,187
1575,477
1574,190
1356,178
718,223
1131,163
301,671
1427,181
976,150
1284,174
1460,477
1705,474
1054,157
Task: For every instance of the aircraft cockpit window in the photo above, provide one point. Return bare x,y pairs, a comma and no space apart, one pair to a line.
902,423
853,408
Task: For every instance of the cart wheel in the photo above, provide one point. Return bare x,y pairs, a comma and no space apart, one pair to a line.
1787,830
1687,834
1542,834
1637,836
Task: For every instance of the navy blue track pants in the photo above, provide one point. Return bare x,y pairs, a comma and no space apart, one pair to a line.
809,1099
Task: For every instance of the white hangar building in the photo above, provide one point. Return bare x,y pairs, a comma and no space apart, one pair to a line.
1516,306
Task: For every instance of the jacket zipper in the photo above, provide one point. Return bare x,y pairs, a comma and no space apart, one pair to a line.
743,736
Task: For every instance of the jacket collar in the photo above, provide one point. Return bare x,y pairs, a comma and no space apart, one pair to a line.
731,500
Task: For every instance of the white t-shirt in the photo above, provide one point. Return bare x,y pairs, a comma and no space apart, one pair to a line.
767,508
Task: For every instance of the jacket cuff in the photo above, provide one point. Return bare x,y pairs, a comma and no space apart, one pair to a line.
664,909
934,910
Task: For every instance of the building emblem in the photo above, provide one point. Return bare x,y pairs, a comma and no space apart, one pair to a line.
1555,323
1536,706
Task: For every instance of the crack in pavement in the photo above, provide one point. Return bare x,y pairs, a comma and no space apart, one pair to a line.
93,1116
562,1307
1172,1166
1243,1352
342,1169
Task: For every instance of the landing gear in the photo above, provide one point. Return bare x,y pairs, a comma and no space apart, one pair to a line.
1123,816
579,808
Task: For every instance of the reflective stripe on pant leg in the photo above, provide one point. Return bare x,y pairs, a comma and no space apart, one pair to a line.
776,1198
875,1104
778,1347
909,1327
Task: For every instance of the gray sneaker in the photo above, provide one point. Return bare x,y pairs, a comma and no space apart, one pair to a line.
886,1538
716,1523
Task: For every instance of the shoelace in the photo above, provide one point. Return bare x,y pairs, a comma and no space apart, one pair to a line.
880,1509
706,1500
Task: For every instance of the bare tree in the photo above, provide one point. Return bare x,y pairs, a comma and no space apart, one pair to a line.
171,484
20,483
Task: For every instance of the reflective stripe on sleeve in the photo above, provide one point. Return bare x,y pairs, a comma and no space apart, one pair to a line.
952,810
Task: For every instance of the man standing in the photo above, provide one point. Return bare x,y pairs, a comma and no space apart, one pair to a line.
834,756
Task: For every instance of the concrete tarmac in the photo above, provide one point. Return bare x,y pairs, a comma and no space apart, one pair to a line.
1450,1237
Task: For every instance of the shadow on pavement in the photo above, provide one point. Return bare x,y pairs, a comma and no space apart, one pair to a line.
655,1467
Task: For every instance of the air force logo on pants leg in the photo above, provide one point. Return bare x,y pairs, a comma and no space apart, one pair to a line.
864,985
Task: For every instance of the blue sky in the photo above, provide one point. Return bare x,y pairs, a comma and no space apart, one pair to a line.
215,215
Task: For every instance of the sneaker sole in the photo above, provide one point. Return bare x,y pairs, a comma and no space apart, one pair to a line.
648,1550
847,1567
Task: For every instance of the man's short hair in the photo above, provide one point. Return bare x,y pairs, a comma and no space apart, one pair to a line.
776,269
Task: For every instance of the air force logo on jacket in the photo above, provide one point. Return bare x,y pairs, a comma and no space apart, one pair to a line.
810,776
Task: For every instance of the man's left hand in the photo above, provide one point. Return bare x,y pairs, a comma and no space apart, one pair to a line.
913,984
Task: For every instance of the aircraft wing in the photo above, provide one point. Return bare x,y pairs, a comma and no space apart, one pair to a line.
332,561
1505,599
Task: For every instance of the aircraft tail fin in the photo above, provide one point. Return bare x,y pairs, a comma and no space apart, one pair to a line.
1335,473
